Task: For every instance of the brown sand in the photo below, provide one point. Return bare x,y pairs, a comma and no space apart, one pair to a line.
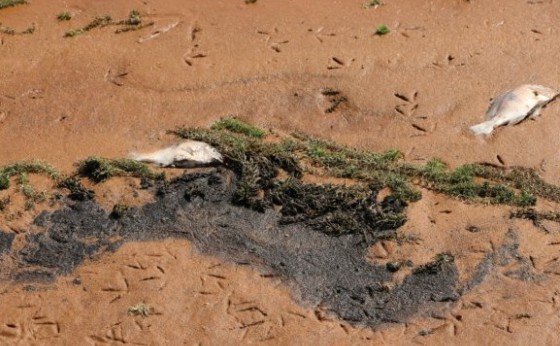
417,89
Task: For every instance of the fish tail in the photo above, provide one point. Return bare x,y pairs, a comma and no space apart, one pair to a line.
484,128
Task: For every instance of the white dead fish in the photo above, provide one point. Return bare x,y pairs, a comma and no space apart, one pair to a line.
515,105
187,154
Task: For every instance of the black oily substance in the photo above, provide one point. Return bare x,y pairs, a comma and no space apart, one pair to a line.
323,267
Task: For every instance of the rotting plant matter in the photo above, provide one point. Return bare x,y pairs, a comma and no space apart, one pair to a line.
258,161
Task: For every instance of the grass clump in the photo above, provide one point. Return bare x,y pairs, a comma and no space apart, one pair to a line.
29,191
382,30
23,169
9,3
77,190
11,31
132,23
64,16
100,169
4,182
97,22
29,30
235,125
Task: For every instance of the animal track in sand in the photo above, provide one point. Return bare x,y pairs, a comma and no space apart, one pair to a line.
337,62
194,53
269,43
406,109
332,99
319,35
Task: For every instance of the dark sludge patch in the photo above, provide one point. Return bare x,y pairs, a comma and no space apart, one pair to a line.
34,275
506,255
6,240
302,244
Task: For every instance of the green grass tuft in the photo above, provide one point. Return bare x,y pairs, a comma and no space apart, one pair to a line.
22,169
26,167
382,30
100,169
132,23
4,182
235,125
64,16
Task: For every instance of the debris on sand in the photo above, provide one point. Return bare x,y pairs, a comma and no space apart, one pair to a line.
514,106
187,154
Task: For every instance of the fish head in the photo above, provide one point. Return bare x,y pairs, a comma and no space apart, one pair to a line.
542,93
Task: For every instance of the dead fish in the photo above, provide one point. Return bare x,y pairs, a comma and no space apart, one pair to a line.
514,106
187,154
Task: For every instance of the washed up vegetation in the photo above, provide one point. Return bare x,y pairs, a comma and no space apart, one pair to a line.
131,23
99,169
21,171
94,168
11,31
270,173
299,153
10,3
235,125
26,167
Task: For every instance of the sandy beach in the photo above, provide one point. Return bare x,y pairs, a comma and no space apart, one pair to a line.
70,90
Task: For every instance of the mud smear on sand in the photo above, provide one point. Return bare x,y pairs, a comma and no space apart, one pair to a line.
323,269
